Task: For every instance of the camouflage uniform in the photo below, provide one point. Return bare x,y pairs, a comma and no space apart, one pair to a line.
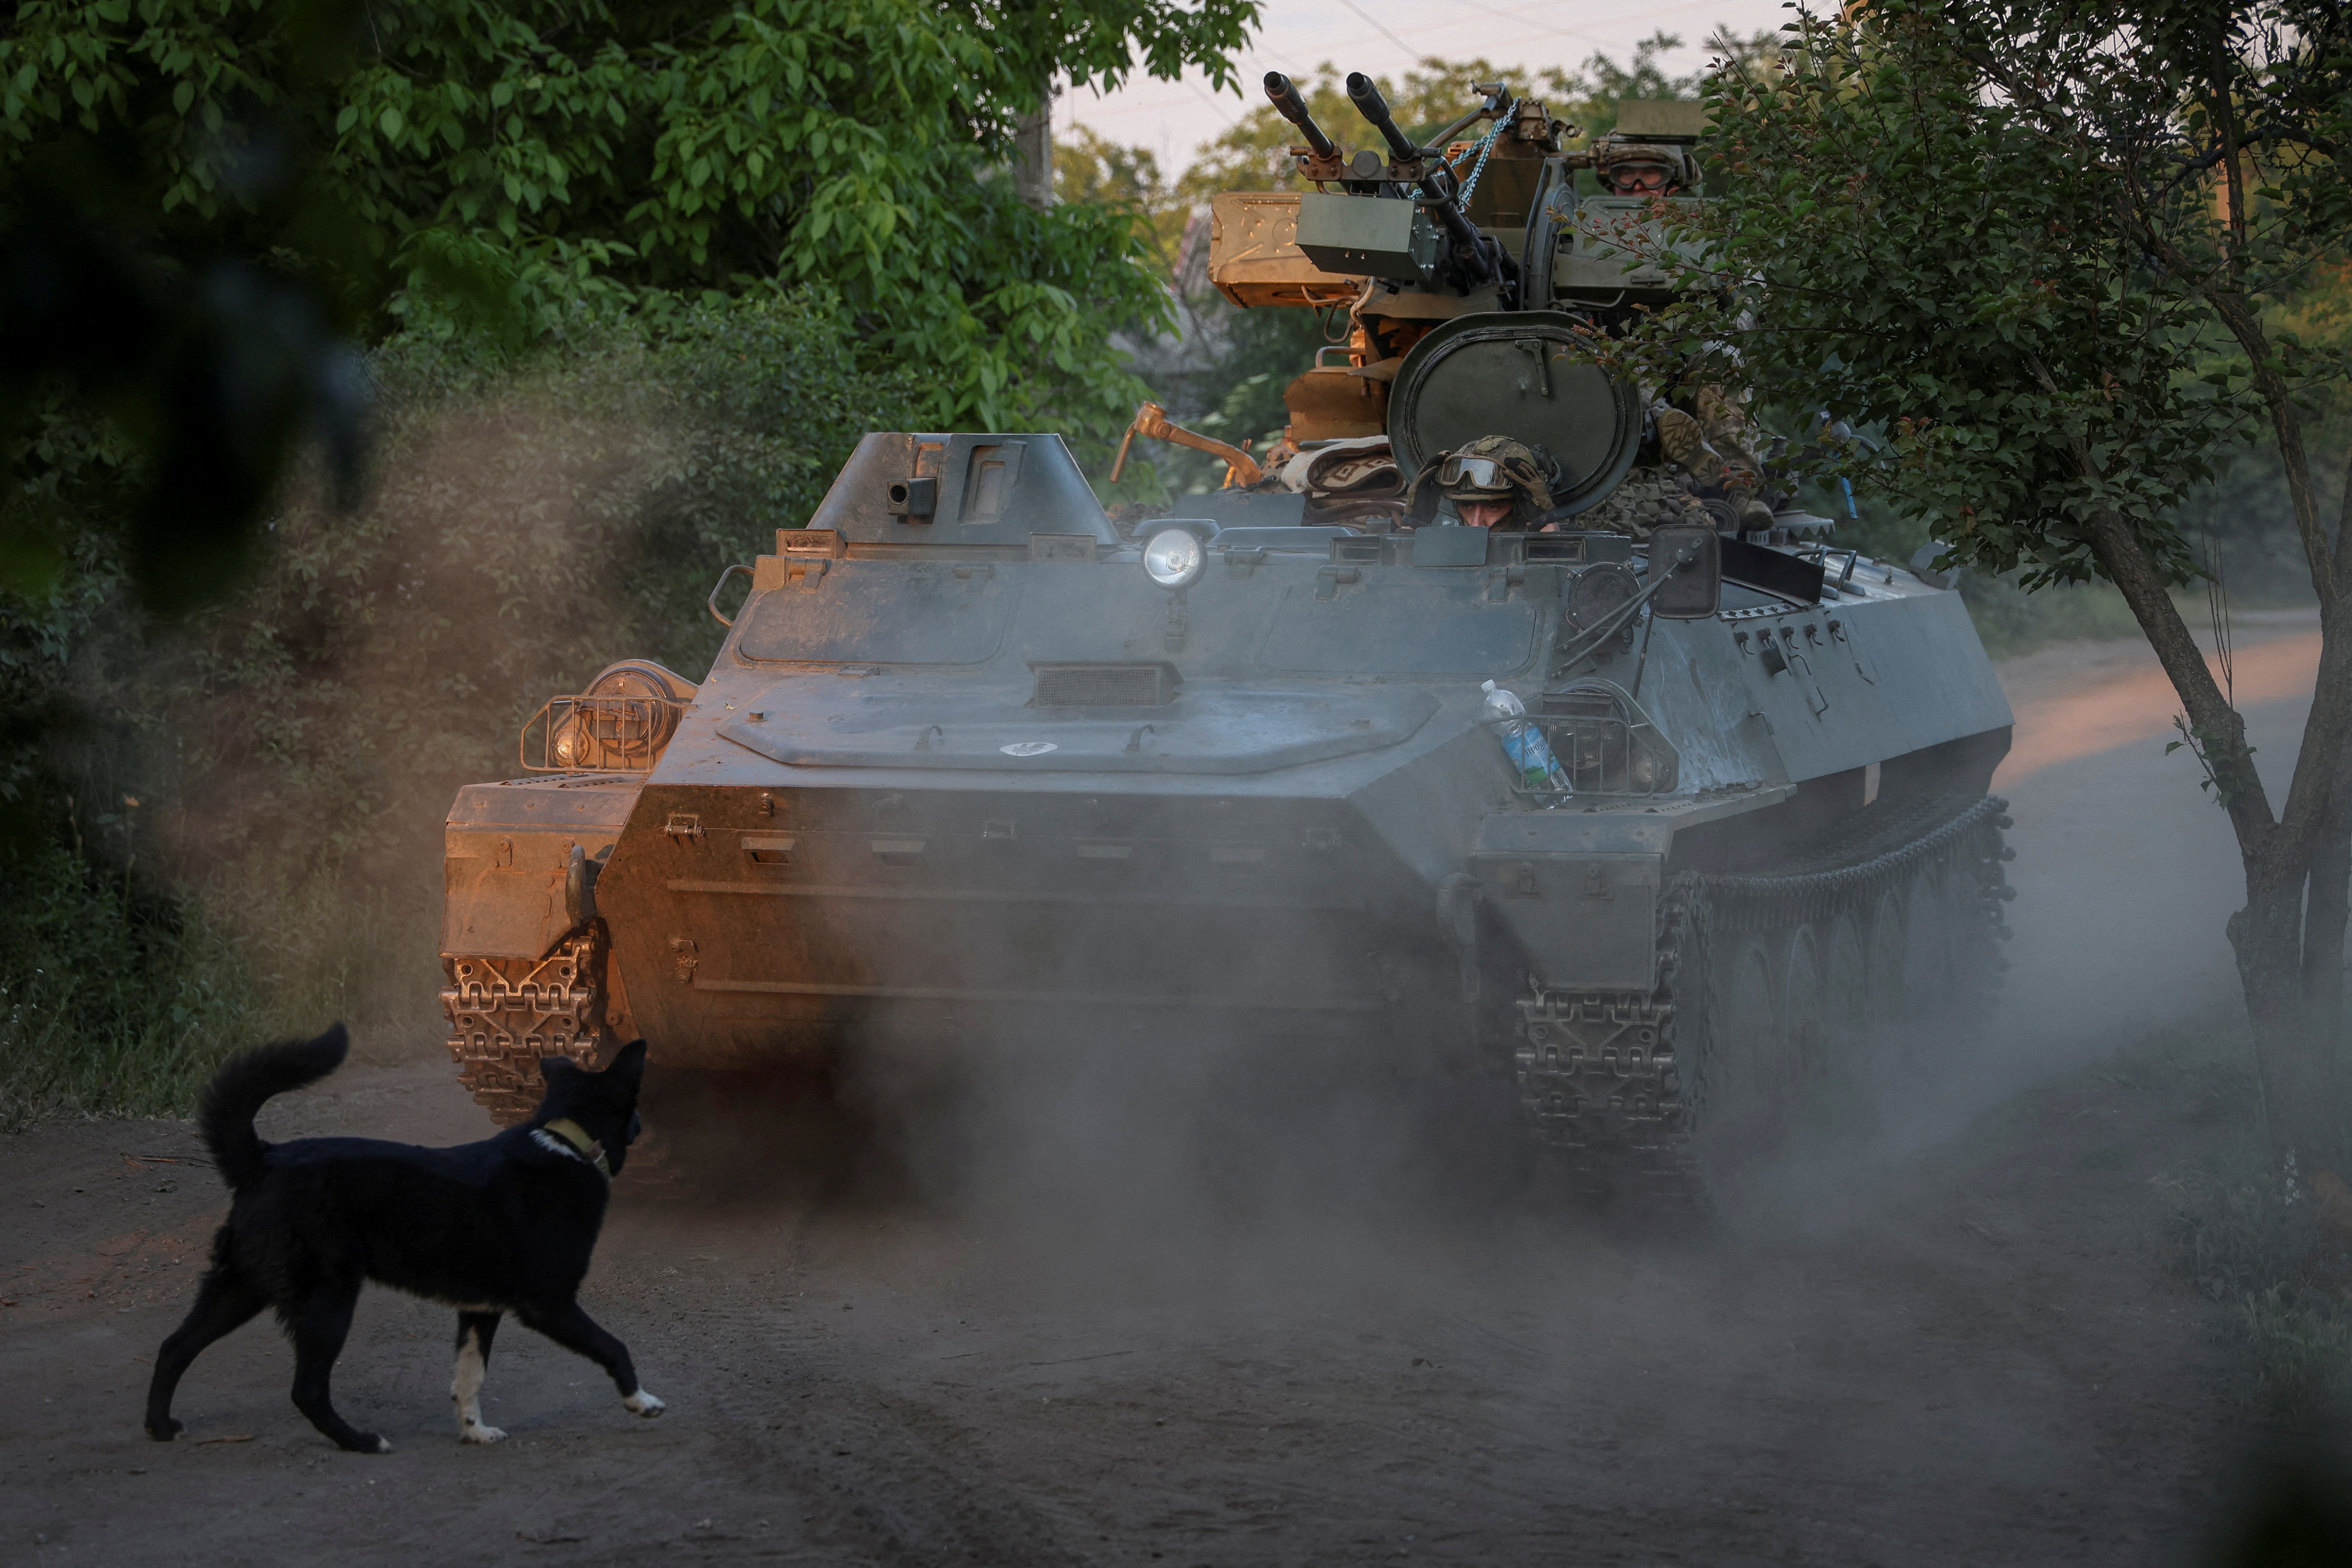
1645,500
1713,444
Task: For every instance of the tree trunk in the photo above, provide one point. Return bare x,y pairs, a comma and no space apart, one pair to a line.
2327,908
2282,948
1033,151
2219,729
2292,1057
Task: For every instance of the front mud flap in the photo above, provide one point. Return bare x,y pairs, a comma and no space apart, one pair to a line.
1577,890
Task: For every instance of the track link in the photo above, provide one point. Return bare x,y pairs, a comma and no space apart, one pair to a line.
506,1013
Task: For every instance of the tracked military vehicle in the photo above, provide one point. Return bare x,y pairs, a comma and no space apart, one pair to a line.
975,759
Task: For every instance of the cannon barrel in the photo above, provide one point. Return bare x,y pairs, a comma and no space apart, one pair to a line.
1365,94
1293,108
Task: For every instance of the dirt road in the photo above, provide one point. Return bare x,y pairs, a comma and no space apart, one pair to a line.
1954,1346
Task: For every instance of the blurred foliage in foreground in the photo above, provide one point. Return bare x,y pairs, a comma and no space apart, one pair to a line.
248,810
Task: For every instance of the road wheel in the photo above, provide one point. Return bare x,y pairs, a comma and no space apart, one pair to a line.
1747,1055
1927,978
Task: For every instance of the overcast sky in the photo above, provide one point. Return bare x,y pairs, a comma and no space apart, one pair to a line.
1383,36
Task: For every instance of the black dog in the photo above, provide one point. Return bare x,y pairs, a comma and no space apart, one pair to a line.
502,1226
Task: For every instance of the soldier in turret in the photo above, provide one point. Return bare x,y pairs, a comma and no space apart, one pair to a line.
1492,482
1699,429
1642,168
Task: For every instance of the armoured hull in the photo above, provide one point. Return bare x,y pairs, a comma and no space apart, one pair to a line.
993,778
975,762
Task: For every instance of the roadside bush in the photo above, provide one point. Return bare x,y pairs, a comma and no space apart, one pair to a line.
2268,1252
116,995
2013,622
2302,1346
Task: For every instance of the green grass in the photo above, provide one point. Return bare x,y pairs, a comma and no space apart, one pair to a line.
116,998
2247,1237
2302,1347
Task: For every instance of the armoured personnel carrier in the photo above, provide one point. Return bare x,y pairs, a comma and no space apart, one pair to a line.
975,758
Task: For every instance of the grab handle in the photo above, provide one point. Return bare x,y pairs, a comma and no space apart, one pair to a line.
720,587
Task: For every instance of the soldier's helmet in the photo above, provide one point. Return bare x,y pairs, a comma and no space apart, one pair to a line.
1642,168
1496,467
1491,468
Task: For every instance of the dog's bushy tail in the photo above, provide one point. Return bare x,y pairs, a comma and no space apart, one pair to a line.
245,1082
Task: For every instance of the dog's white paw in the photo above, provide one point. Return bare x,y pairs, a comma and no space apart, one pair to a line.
475,1432
642,1403
384,1444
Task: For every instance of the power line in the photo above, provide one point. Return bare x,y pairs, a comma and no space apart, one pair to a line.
1381,30
1217,109
1540,27
1526,21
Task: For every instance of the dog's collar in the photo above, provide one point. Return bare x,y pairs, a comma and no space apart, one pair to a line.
565,1136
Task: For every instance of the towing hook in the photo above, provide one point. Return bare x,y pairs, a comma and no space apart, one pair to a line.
579,886
1457,925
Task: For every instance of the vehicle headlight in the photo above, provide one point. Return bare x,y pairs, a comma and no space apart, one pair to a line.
569,747
1175,558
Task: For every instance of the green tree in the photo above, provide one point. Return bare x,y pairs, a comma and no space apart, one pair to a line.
2052,250
207,206
459,163
1091,168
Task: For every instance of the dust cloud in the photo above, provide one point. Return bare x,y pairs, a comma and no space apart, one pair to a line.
295,750
2126,870
1179,1152
1181,1160
2125,873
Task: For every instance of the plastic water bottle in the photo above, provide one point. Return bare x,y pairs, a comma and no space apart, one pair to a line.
1523,742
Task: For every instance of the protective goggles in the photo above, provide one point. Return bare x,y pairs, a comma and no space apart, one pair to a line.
1456,473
